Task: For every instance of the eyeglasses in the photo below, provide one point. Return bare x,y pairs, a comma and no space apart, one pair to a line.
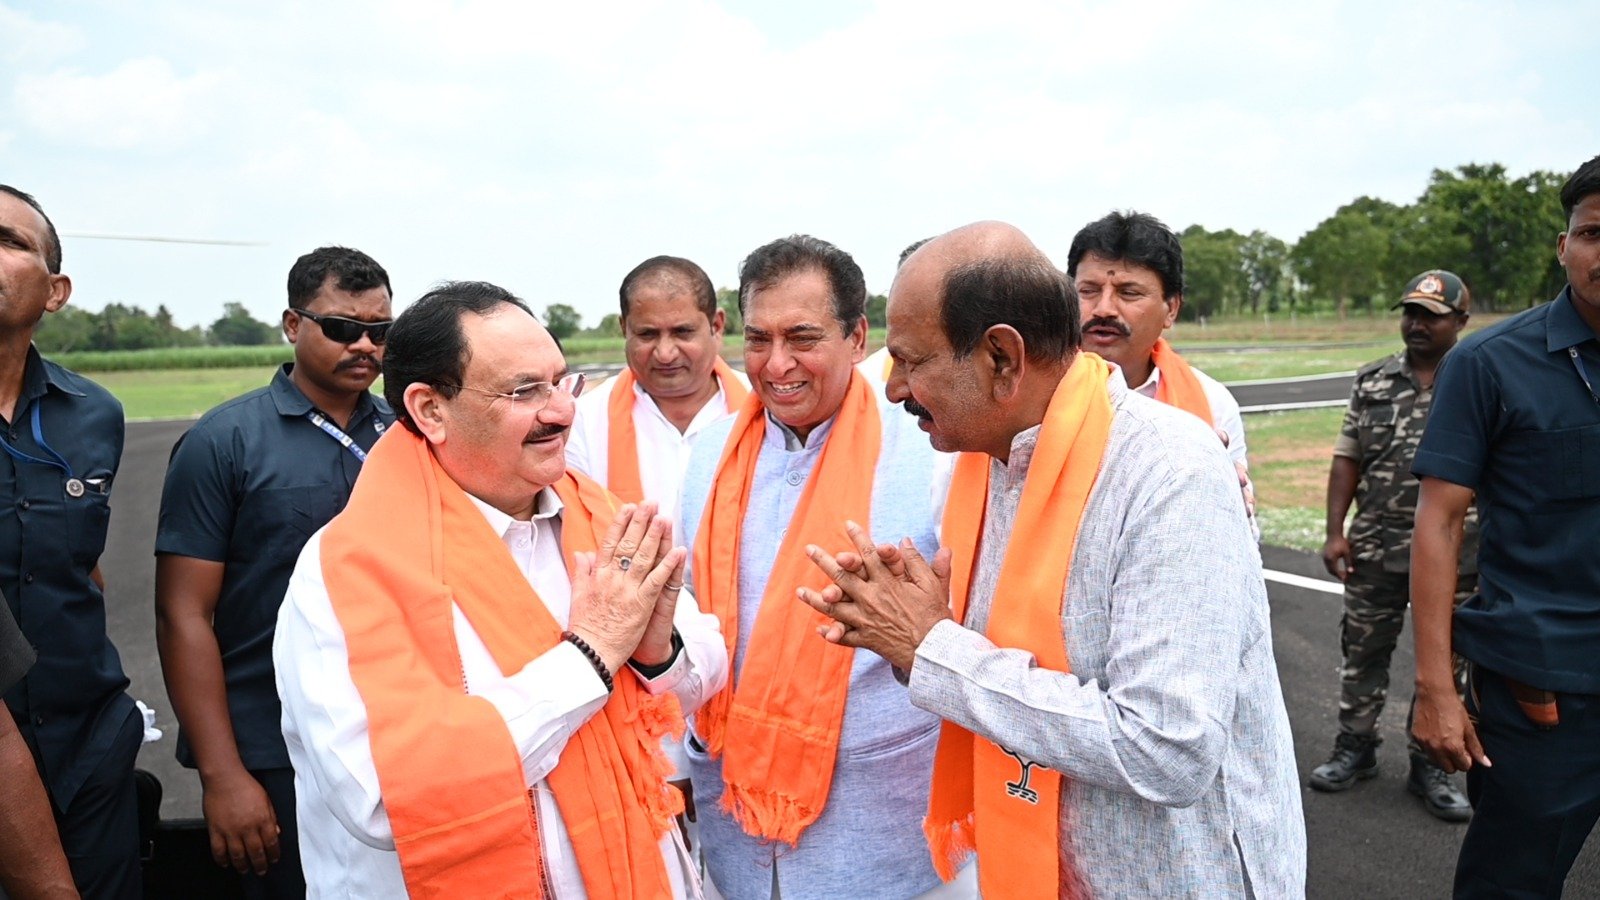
348,331
536,395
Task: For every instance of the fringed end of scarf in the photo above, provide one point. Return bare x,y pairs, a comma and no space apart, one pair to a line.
769,815
658,715
655,718
950,843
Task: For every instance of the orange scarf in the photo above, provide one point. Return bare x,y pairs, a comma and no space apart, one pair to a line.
1179,386
410,544
970,807
778,734
622,453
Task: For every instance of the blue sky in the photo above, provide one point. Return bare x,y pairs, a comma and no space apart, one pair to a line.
550,147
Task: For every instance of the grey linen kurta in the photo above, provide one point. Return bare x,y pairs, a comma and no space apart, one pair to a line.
1171,726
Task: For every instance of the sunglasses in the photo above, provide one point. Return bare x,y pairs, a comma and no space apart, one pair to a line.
348,331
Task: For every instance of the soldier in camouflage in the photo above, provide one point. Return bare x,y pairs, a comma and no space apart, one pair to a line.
1372,466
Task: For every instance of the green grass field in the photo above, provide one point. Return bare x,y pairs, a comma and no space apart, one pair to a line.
1289,457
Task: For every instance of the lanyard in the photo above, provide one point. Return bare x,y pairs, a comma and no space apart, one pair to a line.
56,460
338,434
1577,363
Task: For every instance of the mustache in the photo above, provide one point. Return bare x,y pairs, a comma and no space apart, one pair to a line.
1108,322
917,409
357,360
548,431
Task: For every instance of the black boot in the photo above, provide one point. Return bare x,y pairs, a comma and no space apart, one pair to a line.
1437,791
1354,758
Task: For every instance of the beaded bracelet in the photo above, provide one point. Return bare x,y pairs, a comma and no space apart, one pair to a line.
594,658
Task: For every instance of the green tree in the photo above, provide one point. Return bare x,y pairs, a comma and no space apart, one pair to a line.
610,326
1265,261
877,311
728,301
1344,257
1213,276
67,329
1497,232
562,320
237,328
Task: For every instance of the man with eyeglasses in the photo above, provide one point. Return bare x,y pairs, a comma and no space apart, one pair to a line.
479,656
246,487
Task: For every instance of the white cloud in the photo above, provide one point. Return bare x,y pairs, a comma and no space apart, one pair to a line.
29,41
140,105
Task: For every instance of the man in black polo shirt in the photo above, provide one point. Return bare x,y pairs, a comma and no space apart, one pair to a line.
1516,420
31,862
247,485
61,437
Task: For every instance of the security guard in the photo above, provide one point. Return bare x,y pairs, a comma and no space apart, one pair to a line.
1389,406
61,437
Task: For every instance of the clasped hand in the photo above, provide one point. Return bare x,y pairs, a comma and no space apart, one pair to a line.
884,597
624,595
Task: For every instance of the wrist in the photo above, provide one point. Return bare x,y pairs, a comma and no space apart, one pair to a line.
659,654
604,668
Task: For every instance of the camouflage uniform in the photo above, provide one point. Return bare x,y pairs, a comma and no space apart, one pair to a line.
1381,430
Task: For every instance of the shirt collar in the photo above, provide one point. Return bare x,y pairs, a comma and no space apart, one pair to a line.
1563,326
38,377
292,402
781,435
546,504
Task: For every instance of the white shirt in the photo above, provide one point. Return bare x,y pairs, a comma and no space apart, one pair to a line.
663,450
1225,413
346,844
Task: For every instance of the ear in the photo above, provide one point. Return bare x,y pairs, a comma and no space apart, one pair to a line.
1561,249
60,293
1003,361
1173,305
858,341
427,410
291,325
719,322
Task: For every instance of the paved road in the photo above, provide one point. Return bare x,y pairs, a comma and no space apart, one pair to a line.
1331,390
1374,841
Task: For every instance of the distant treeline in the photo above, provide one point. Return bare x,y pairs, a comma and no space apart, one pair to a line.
1497,232
123,327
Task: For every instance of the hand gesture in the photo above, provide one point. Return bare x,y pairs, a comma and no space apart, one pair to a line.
883,598
616,590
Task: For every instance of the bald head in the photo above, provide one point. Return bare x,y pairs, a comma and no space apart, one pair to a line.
987,274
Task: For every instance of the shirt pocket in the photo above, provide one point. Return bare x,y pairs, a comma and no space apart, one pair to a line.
90,517
285,514
1557,465
1376,424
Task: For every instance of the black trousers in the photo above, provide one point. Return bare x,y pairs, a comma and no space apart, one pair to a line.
1535,806
100,830
284,880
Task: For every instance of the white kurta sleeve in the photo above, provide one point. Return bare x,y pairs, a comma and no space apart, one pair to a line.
1182,601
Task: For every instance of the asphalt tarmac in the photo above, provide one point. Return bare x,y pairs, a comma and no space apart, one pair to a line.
1374,841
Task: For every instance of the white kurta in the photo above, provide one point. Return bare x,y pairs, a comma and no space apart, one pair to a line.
663,450
346,844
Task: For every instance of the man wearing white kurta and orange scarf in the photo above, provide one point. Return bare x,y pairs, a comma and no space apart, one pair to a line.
632,433
1095,634
479,657
811,769
1127,269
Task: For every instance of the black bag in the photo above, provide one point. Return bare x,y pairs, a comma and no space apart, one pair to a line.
176,853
